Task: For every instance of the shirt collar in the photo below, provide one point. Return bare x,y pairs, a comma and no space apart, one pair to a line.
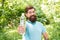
30,22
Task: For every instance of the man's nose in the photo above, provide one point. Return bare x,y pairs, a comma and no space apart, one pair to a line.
33,14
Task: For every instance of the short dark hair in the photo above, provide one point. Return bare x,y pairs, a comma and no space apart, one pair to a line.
28,7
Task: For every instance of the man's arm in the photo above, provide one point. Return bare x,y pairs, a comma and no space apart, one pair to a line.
44,32
45,36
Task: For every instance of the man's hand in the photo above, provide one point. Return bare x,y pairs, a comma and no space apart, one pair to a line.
45,36
21,29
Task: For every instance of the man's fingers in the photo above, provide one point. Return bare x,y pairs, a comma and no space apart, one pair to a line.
21,29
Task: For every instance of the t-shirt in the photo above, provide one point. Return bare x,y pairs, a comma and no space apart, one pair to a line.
34,31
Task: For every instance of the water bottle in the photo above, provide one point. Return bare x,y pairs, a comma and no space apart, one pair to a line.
22,22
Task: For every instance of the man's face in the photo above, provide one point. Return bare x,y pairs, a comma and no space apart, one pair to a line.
31,15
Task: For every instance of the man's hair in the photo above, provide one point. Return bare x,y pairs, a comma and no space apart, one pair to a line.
28,7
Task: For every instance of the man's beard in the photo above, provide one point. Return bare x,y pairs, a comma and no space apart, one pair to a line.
33,18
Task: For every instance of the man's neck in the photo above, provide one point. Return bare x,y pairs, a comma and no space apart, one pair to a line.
31,22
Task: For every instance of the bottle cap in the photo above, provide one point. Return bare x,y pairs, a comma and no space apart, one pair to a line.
22,14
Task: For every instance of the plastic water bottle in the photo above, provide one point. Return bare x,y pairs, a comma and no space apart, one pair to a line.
22,22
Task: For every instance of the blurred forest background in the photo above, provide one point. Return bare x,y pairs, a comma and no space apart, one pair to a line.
48,12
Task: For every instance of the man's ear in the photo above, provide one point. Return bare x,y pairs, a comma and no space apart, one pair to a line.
25,14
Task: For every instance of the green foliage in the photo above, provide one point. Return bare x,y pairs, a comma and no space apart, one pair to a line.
48,12
9,34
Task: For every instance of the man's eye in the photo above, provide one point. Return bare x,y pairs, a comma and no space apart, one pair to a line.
32,12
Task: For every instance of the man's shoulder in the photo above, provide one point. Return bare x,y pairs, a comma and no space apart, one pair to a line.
38,22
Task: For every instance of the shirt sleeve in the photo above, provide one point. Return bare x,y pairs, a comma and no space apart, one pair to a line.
43,28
